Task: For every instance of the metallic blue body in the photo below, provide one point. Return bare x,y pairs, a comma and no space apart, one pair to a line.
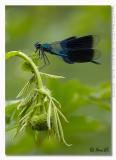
58,48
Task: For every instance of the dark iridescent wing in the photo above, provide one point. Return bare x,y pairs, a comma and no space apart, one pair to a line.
80,42
83,55
75,49
81,49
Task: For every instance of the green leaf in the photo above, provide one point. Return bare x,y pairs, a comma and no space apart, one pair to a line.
49,115
55,122
11,106
45,75
11,114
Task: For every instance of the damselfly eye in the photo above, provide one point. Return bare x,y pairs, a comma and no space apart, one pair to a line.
37,45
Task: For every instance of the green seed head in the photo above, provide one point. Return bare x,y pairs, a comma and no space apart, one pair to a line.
39,122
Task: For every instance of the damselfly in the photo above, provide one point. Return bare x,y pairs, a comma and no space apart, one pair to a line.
71,50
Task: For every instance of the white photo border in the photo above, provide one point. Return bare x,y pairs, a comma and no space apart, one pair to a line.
3,3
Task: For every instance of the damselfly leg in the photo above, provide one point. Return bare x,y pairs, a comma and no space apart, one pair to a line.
43,56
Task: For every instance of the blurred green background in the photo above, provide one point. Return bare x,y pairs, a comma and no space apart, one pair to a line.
90,125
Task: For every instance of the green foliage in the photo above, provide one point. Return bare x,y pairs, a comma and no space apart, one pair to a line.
79,95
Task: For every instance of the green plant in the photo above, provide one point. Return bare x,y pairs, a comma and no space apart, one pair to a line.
36,109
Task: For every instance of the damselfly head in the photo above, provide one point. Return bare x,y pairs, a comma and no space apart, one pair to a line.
37,45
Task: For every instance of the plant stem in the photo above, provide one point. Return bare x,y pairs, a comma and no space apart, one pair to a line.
29,60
